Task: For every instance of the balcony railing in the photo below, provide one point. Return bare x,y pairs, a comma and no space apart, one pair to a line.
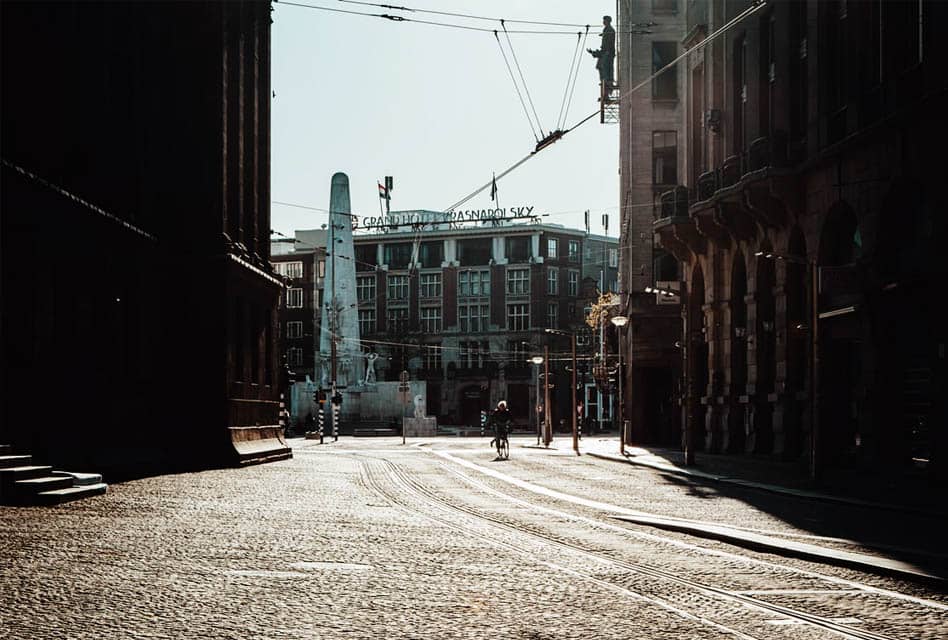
674,203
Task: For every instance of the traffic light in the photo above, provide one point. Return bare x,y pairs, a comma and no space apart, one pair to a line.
337,399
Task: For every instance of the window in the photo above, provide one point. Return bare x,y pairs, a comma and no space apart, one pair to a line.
518,249
473,318
518,317
431,285
322,269
365,288
431,319
474,252
431,254
767,73
397,320
518,281
398,255
552,315
552,281
431,358
517,353
571,311
613,258
398,287
472,355
290,269
664,157
574,283
294,329
740,94
574,250
294,298
664,265
294,356
366,256
551,247
366,322
665,86
473,283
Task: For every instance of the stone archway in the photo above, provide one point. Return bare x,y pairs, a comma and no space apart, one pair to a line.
760,429
698,372
790,412
839,344
734,438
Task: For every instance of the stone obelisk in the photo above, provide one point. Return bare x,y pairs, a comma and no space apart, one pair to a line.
340,311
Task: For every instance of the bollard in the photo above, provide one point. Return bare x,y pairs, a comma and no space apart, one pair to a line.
283,420
335,422
322,422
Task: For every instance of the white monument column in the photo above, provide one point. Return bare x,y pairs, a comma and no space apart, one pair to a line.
340,312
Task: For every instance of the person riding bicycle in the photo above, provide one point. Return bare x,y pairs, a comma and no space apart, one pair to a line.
500,420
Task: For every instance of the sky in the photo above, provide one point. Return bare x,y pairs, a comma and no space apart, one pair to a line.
436,109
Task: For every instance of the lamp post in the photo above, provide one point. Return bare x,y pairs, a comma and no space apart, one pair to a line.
620,322
547,423
537,361
572,341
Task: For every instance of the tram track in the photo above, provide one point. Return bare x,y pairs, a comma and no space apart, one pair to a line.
397,486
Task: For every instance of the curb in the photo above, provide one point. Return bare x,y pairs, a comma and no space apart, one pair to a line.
770,488
874,564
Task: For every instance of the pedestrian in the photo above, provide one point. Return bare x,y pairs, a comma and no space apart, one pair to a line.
500,420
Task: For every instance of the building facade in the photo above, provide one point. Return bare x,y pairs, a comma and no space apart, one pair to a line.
464,309
651,130
807,223
139,307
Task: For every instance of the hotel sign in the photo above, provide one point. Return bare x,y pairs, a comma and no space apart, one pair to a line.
451,219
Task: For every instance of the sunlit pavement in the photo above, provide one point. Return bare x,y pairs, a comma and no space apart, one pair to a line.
438,539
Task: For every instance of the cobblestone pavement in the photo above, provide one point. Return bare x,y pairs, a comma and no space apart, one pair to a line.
369,538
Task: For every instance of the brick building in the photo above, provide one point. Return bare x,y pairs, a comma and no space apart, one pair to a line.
464,309
138,305
650,162
803,161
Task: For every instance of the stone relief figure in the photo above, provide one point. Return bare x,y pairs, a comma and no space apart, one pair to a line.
420,409
370,359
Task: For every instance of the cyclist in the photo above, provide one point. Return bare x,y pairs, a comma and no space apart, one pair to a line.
500,419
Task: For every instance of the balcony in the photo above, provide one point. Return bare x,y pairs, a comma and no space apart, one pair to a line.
675,228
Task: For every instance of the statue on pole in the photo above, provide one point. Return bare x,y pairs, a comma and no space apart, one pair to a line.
606,53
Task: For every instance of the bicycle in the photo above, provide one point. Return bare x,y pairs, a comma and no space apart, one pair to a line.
503,447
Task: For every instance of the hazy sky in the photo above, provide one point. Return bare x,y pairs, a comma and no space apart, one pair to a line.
435,108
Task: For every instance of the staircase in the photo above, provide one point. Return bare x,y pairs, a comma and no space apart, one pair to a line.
23,483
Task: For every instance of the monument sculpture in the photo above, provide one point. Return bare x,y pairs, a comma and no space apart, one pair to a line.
606,53
340,319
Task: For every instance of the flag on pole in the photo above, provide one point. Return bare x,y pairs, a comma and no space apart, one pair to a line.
383,192
493,187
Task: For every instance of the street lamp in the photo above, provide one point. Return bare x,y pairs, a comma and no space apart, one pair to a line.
538,360
572,341
813,277
620,322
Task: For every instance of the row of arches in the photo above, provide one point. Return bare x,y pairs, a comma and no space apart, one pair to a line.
879,353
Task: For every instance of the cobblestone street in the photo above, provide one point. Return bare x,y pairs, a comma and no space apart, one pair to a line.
369,538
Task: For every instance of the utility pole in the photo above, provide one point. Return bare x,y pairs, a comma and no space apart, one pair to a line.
572,341
547,425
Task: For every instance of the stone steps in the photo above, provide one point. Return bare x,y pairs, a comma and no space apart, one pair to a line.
24,483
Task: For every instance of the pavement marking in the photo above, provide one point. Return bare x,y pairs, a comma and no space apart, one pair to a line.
803,592
251,573
332,566
683,545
